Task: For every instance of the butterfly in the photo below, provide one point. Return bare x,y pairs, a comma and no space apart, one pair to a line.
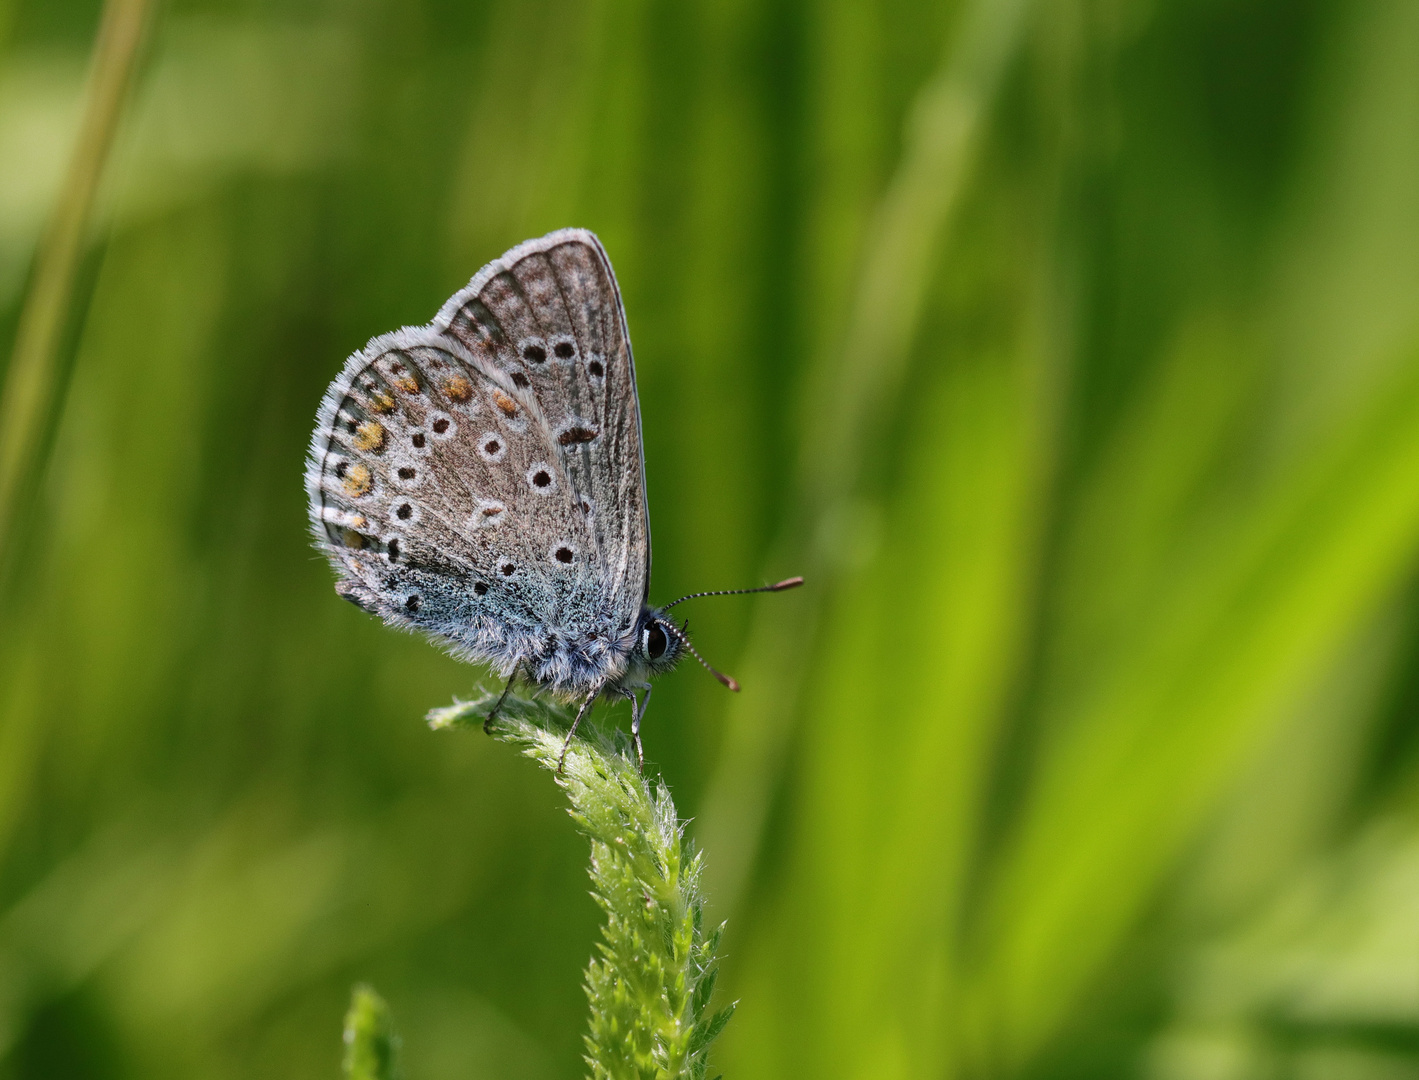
481,480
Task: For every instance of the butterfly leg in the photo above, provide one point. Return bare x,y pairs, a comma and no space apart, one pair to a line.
585,708
493,714
637,712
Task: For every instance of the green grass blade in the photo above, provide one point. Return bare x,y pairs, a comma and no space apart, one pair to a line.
371,1046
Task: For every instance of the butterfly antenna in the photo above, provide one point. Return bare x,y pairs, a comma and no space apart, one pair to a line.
685,641
780,586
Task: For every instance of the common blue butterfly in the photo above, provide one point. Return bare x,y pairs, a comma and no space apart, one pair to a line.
481,480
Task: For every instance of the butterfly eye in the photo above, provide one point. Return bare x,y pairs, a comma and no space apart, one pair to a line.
655,641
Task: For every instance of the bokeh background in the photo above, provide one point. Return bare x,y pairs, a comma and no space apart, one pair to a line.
1070,348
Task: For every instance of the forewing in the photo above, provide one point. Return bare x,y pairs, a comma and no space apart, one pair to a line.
547,317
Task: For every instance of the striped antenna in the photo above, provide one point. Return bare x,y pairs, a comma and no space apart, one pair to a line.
685,641
683,638
780,586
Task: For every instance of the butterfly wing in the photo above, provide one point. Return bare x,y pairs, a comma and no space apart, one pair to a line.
549,315
467,485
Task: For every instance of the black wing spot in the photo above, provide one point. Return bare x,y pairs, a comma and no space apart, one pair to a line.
507,569
413,603
418,440
393,550
520,380
541,478
596,369
480,587
564,350
577,434
534,354
440,426
406,473
564,554
404,512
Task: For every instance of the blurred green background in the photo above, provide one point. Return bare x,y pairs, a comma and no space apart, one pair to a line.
1070,348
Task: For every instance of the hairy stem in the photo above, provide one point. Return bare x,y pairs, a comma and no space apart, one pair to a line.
650,984
371,1047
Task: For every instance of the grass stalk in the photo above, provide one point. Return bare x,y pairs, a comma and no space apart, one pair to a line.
34,379
650,984
371,1046
856,390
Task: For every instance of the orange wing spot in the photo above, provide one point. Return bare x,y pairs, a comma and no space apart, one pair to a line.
353,539
406,384
458,389
369,435
505,403
381,402
358,481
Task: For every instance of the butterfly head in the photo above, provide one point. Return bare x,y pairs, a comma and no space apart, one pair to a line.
660,644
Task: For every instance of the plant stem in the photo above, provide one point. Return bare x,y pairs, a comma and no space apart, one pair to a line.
650,987
371,1047
854,393
33,382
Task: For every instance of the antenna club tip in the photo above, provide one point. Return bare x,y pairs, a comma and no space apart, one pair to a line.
786,583
731,683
